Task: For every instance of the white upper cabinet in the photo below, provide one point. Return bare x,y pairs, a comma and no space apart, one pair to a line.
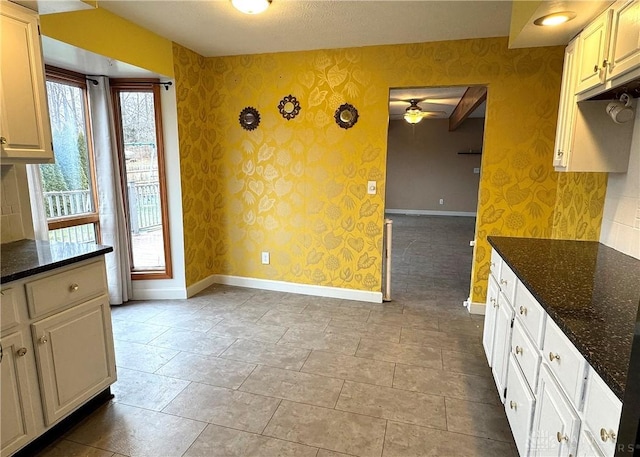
624,44
609,49
567,109
25,135
593,52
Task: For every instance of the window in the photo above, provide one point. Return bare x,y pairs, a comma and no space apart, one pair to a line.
139,132
69,184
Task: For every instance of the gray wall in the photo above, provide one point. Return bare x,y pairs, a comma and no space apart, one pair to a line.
423,165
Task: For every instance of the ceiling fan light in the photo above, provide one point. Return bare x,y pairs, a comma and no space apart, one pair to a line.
413,114
251,6
555,18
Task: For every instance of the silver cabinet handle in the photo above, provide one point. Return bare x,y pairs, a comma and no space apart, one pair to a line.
596,68
604,435
3,140
21,352
523,311
74,287
1,353
519,350
494,302
553,356
560,437
503,281
513,405
43,339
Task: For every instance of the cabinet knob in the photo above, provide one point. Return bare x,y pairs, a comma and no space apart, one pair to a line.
553,356
43,339
523,311
596,68
560,437
3,140
605,436
605,63
513,405
559,153
503,281
494,302
73,288
21,352
519,350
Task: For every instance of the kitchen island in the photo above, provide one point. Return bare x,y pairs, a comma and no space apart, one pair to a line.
57,354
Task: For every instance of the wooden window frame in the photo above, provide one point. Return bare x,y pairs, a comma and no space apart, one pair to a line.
72,78
152,86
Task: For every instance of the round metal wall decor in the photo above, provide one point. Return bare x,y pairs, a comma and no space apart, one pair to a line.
249,118
289,107
346,115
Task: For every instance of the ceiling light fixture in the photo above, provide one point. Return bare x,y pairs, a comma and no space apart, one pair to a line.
251,6
414,113
555,18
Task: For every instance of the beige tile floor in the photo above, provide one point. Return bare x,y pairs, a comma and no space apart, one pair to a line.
244,372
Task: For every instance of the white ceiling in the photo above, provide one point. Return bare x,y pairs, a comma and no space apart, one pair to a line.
215,28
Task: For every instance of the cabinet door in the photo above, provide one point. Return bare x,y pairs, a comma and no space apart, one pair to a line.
586,446
502,345
24,115
556,425
624,46
593,46
18,426
519,405
491,311
75,356
567,109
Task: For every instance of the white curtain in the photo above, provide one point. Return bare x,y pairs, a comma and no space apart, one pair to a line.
40,226
113,227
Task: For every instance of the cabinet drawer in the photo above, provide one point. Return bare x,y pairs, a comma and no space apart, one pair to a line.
507,282
9,316
63,289
602,411
525,354
530,313
519,405
566,363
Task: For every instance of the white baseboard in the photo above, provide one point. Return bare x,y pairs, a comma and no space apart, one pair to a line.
474,307
428,212
159,294
284,286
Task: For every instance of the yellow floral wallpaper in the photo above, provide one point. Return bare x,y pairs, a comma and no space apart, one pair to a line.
297,188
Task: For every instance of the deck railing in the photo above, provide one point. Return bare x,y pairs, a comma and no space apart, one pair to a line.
144,206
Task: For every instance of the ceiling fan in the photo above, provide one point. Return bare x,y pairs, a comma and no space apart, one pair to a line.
414,113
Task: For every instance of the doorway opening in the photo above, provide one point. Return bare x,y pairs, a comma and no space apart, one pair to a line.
434,156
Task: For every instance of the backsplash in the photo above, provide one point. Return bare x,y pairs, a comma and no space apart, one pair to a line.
621,219
11,219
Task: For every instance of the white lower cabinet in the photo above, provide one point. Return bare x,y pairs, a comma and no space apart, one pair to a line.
519,404
556,404
75,356
502,345
18,425
54,362
491,311
556,425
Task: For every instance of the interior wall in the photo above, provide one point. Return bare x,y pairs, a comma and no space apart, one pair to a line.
621,219
424,166
298,188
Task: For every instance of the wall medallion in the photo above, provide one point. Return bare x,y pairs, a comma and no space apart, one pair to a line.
249,118
346,115
289,107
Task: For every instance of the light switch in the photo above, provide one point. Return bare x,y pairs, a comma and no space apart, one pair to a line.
372,187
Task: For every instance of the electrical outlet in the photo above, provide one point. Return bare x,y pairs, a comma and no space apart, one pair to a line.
372,187
476,171
442,201
265,258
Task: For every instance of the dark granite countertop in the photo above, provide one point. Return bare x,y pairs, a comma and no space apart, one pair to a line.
591,291
24,258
